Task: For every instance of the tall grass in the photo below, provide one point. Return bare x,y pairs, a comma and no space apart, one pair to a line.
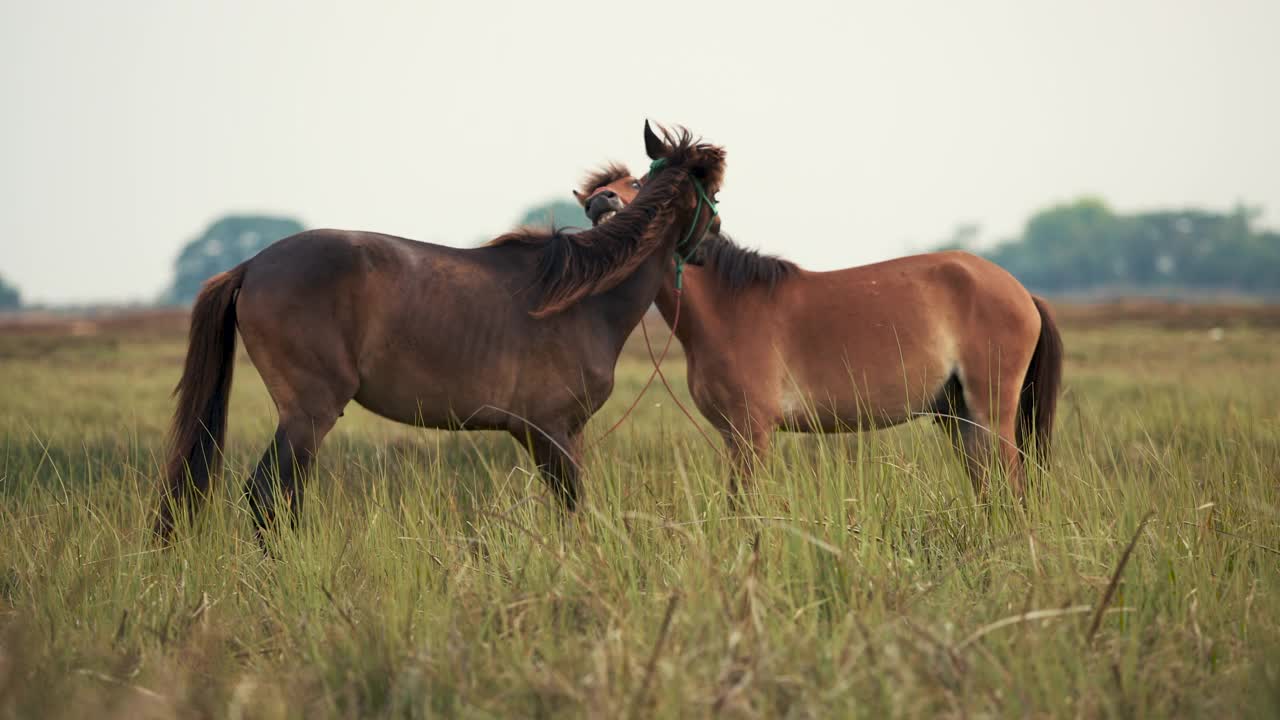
431,575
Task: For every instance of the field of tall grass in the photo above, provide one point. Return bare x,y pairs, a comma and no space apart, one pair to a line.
432,576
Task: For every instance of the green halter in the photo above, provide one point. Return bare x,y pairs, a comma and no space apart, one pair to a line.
654,167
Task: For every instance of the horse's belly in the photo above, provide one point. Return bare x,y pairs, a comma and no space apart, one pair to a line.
843,403
435,395
823,417
427,408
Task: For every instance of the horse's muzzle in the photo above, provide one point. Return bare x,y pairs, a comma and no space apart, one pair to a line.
601,206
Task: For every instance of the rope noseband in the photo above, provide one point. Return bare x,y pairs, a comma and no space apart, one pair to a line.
682,259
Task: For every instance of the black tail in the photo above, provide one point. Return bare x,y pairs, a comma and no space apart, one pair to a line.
200,423
1038,403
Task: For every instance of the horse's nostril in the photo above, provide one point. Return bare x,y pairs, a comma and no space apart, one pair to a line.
608,194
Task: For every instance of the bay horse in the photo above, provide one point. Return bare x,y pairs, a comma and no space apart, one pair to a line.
521,334
770,345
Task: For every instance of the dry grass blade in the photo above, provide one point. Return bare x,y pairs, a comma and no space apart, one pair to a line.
1110,592
1021,618
346,616
638,701
1234,536
147,693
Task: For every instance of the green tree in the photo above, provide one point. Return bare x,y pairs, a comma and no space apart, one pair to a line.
10,299
1085,246
1064,246
560,213
963,237
226,243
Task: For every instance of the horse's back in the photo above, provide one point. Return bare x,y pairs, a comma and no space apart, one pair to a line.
952,286
986,301
320,257
962,272
931,316
322,266
894,332
957,269
320,283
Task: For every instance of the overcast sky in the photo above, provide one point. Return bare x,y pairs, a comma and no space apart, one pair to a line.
856,131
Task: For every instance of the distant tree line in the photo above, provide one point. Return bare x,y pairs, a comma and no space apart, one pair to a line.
1085,246
1079,247
226,243
555,213
10,299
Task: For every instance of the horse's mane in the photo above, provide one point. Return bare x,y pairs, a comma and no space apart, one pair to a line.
575,265
606,175
737,267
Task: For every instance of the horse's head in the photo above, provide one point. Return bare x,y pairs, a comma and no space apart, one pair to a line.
606,192
678,149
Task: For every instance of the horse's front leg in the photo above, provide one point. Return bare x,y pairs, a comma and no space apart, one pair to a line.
748,445
558,457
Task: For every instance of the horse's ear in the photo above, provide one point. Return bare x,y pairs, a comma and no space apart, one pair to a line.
582,199
653,145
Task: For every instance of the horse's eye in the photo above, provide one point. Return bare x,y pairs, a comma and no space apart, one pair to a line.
635,184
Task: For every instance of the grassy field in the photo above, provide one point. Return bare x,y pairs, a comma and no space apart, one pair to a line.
430,576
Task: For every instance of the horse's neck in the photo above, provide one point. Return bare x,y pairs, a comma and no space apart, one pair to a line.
626,303
666,302
652,282
698,306
709,313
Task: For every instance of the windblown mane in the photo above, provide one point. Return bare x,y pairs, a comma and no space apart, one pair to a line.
685,147
606,175
576,265
572,266
737,267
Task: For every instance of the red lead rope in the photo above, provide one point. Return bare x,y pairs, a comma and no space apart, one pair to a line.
657,364
657,372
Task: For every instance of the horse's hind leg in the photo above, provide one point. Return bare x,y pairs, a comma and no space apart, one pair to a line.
984,428
966,435
311,377
1007,431
310,396
292,449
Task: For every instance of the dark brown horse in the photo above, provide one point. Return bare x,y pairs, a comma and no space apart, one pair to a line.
770,345
520,335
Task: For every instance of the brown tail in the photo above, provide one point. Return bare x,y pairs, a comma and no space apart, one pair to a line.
200,422
1039,401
